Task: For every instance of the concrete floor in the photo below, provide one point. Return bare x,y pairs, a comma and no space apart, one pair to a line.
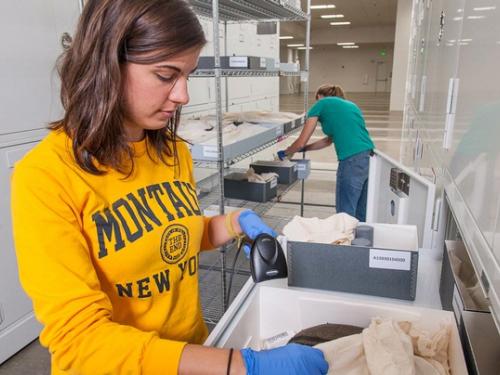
385,129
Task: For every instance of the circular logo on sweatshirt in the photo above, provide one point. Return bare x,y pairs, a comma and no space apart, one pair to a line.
174,243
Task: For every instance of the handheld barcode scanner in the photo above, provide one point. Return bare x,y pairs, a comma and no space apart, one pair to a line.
267,260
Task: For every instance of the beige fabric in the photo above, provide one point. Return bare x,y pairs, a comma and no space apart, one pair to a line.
261,178
337,229
472,294
388,347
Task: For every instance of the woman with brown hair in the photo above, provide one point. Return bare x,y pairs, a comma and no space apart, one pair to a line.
343,124
106,220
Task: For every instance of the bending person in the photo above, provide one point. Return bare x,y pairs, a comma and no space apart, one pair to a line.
107,225
343,124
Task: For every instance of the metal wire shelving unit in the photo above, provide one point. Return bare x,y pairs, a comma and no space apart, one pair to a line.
244,11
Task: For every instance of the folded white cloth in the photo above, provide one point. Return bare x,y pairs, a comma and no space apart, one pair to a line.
261,178
337,229
388,347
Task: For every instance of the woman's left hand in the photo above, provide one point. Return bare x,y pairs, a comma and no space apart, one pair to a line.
252,225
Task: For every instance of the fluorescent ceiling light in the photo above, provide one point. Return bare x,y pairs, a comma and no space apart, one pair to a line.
304,48
332,16
482,9
340,23
350,46
466,40
346,44
475,17
460,10
458,18
286,37
295,45
327,6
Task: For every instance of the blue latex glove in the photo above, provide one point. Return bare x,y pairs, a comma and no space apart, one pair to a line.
252,225
290,359
282,154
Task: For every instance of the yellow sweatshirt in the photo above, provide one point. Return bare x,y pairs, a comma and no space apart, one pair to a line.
111,263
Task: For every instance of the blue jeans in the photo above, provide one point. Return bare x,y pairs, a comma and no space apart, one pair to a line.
352,185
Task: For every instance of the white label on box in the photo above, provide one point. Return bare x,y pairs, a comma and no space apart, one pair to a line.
301,167
238,61
210,152
263,62
390,259
274,183
276,65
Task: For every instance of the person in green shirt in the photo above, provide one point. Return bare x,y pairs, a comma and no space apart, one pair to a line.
343,124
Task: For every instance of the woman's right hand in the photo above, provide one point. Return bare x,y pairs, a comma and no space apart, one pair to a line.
292,359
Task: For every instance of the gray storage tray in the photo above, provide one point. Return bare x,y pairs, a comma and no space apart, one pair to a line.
287,175
208,151
236,186
278,128
346,269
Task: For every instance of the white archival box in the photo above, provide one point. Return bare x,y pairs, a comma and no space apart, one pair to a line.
263,310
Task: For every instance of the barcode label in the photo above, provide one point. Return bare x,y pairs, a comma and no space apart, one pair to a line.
389,259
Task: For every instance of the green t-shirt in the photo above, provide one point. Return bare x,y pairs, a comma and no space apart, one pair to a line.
342,121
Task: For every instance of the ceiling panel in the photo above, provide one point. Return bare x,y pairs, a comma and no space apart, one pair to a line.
361,13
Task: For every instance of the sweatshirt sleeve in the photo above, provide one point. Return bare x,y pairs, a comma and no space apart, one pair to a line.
56,271
206,244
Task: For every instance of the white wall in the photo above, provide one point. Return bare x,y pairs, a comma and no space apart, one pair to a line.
401,55
376,34
249,93
348,67
289,84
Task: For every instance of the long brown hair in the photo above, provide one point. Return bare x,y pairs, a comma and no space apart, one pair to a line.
330,90
111,33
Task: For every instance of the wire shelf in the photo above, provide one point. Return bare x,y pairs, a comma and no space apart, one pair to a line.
245,154
201,73
285,73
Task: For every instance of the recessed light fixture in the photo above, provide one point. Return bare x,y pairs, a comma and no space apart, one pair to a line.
475,17
340,23
326,6
350,46
326,16
295,45
483,9
286,37
304,48
346,44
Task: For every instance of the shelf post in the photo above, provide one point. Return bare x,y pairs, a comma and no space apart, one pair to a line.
220,145
306,91
306,67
